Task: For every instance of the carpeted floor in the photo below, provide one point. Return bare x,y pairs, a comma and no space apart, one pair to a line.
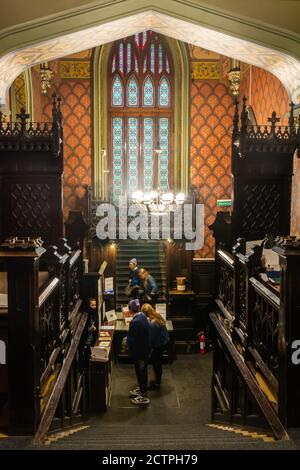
176,418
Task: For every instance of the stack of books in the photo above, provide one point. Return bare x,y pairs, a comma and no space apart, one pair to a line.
101,349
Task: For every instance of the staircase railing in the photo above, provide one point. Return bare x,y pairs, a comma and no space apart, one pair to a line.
47,330
261,325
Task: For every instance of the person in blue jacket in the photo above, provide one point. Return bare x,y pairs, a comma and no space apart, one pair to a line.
134,280
159,337
139,346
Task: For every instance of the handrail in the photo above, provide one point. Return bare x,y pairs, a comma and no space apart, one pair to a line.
263,403
54,398
75,257
226,257
265,293
47,291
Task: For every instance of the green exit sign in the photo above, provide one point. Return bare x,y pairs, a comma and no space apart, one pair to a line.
224,203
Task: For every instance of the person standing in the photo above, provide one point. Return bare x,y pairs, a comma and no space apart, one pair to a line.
139,346
134,280
148,290
159,338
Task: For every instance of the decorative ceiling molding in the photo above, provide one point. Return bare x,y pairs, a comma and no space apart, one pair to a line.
183,28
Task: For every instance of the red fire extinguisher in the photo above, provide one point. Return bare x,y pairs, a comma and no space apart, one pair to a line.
201,342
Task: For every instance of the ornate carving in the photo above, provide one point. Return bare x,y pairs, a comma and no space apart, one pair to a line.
24,136
235,79
268,138
46,75
74,69
261,208
206,70
47,330
265,331
226,286
30,208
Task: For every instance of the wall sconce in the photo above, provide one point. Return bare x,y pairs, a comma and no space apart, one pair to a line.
46,75
234,77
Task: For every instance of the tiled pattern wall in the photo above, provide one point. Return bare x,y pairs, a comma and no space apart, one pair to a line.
76,110
211,125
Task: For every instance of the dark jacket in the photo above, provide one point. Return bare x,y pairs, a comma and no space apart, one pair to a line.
134,279
138,338
159,335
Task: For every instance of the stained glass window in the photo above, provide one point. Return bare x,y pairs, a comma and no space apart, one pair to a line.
121,57
148,92
132,92
117,156
160,58
128,57
117,92
133,152
164,144
140,70
164,92
152,58
148,136
144,38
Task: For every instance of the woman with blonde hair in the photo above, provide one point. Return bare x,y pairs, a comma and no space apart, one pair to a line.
159,338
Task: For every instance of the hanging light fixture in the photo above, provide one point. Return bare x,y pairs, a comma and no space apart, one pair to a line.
234,77
46,75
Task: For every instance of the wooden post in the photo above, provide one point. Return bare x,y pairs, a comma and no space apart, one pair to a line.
21,257
289,332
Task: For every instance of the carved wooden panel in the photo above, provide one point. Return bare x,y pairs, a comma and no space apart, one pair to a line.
261,208
30,208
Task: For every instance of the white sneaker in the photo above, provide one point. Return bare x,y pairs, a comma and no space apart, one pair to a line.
140,400
135,392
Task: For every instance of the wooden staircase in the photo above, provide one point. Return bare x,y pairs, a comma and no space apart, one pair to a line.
151,255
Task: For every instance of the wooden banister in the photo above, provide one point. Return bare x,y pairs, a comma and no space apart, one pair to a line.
261,400
54,398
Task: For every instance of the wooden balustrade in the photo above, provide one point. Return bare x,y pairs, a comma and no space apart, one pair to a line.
261,324
47,330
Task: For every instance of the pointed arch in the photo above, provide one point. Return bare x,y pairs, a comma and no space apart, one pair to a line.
117,92
148,92
164,92
181,115
132,92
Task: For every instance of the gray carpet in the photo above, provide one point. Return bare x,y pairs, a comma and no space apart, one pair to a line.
176,418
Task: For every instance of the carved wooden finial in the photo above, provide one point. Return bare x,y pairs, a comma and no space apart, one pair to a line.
291,116
244,115
236,117
273,120
23,116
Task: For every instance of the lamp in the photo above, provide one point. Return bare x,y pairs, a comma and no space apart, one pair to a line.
46,75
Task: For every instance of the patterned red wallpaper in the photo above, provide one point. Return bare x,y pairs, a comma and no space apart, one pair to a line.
76,111
265,94
211,123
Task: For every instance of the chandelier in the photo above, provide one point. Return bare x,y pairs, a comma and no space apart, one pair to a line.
157,201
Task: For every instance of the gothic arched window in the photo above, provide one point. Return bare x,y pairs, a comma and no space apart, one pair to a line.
140,78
